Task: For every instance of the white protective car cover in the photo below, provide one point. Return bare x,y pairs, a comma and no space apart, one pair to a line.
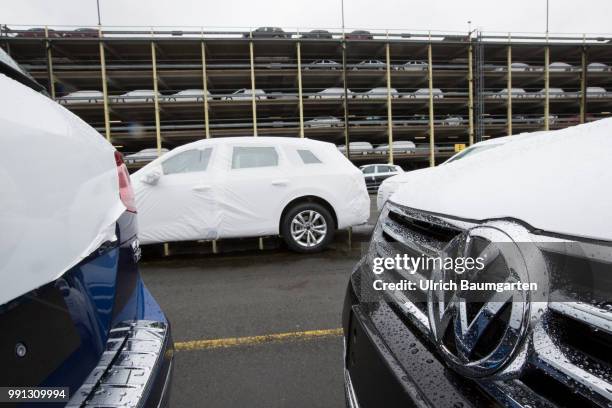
557,181
59,191
390,185
160,220
245,202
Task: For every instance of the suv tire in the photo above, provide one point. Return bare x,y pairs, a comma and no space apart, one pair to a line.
307,227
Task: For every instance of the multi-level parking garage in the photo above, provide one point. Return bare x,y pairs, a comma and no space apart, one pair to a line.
438,91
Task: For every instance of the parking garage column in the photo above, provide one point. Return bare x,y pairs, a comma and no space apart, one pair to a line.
107,132
509,87
50,64
345,99
546,86
299,78
206,118
470,94
253,97
432,154
389,104
205,90
156,97
583,81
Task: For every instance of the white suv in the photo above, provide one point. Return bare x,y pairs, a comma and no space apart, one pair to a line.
250,186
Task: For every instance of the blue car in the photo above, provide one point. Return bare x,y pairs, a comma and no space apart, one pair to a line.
74,311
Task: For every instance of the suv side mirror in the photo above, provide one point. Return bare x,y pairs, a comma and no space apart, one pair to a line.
153,176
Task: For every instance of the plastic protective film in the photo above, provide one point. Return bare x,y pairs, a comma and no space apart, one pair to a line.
556,181
224,199
58,190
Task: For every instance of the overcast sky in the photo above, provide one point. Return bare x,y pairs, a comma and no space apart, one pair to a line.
566,16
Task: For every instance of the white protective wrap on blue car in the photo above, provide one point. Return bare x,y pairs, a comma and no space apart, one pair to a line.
59,192
557,181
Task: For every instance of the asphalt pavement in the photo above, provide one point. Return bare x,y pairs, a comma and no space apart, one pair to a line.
250,295
256,328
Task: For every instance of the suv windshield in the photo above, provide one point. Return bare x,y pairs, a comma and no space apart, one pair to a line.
470,151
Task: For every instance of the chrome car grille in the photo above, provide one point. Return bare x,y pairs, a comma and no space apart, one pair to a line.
567,358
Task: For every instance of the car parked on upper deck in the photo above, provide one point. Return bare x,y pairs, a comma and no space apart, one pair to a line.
323,122
189,95
378,93
81,97
84,32
331,93
137,96
597,67
552,93
370,64
596,92
318,34
514,93
267,32
38,32
559,67
361,148
359,35
399,146
423,93
414,66
323,64
245,94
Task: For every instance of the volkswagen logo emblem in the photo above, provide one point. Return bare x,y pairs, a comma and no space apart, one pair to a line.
479,332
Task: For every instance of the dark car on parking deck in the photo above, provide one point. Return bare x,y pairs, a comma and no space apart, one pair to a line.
82,33
74,310
318,34
359,35
38,32
267,32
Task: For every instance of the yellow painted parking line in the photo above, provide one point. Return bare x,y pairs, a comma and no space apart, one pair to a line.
252,340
